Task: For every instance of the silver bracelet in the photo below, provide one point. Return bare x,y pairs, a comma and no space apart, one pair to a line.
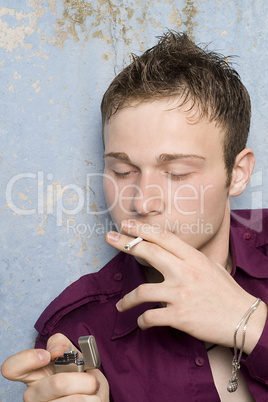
233,382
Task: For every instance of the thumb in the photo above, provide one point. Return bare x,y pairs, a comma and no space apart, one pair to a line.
58,344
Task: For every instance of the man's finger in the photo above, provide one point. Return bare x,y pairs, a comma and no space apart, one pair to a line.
19,366
145,293
157,256
58,344
60,385
163,237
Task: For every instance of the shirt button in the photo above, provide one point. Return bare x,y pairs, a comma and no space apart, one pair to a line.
199,361
118,277
247,235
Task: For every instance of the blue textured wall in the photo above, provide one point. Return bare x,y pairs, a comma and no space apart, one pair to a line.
56,60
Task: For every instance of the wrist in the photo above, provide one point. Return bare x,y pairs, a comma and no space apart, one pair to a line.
243,324
255,327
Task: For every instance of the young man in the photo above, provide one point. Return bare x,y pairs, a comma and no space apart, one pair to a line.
172,314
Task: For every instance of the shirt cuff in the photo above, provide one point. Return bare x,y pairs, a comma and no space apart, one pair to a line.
256,362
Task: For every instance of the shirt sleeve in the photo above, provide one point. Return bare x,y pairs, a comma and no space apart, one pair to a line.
40,342
257,361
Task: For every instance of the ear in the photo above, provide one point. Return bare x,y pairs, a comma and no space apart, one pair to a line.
242,171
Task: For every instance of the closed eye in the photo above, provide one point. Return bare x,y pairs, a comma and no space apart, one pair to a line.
120,175
177,177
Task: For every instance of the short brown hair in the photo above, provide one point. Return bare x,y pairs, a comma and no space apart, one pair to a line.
178,67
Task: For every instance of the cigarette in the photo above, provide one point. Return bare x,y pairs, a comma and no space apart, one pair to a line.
133,243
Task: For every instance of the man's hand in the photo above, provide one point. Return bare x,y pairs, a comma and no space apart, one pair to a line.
201,297
34,368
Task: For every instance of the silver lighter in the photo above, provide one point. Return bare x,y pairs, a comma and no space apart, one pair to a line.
71,362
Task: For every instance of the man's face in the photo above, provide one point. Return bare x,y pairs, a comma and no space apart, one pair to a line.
166,170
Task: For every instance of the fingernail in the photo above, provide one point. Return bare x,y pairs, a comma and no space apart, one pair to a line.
43,355
119,305
127,224
113,236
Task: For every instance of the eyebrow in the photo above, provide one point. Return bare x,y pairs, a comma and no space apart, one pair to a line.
171,157
122,156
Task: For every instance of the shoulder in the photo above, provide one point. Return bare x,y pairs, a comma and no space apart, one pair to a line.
249,241
89,288
252,226
251,222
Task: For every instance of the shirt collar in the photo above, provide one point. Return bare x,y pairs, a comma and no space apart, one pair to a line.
248,236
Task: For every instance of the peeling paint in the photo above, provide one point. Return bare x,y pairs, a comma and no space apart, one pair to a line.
175,18
12,38
11,88
72,22
106,56
16,76
94,207
36,86
190,11
98,34
77,11
22,196
40,228
88,163
75,14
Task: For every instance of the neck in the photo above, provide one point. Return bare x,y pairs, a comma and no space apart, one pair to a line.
218,249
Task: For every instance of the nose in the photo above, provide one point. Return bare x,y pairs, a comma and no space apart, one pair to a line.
148,196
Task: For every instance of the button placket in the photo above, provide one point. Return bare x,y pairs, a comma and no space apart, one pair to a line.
118,277
199,361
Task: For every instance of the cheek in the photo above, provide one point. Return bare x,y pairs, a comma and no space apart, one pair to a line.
197,199
190,199
214,201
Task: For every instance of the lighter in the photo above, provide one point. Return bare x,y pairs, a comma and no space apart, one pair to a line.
71,362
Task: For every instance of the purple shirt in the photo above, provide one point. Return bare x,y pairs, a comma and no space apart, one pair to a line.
160,363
